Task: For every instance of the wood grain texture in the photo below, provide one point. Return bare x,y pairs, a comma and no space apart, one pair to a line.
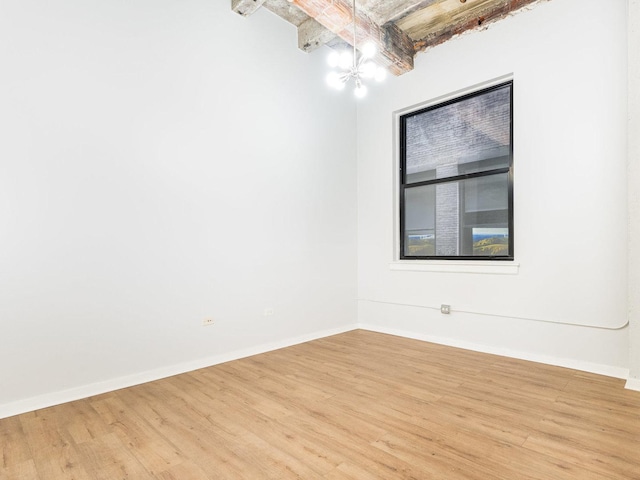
359,405
395,48
445,19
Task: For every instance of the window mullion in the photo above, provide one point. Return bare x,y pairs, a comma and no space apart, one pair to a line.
463,176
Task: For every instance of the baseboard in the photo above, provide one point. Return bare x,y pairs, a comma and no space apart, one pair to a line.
57,398
607,370
633,384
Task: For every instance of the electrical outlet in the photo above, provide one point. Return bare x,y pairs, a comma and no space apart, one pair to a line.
207,321
446,309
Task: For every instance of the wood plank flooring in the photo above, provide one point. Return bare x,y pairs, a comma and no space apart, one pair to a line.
359,405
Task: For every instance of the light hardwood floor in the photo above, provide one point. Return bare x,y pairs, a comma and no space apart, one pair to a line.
360,405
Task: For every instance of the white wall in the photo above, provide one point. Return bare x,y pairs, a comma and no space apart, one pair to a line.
568,303
633,197
163,161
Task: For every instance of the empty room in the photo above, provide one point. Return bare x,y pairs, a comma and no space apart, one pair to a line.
319,239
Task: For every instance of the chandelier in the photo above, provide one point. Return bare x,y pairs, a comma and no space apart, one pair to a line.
353,65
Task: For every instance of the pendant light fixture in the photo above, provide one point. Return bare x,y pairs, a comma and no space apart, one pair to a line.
351,64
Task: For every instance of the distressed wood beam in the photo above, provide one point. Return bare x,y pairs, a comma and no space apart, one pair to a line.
286,11
312,35
246,7
395,48
428,34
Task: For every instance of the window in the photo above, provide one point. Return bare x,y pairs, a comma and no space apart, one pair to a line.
456,178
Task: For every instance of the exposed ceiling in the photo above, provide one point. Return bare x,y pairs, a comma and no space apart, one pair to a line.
399,28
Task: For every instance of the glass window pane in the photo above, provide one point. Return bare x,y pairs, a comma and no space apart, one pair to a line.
485,216
431,220
419,221
486,193
459,218
470,135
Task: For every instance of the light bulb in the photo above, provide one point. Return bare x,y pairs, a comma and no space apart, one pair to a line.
346,60
368,70
380,74
360,91
333,59
369,50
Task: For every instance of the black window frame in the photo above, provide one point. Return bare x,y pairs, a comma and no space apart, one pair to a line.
457,178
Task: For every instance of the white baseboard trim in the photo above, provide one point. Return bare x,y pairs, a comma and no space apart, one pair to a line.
633,384
57,398
607,370
64,396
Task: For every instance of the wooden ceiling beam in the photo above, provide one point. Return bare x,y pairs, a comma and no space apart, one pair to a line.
395,48
246,7
312,35
474,18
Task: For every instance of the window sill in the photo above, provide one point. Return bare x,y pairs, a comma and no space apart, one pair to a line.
493,268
